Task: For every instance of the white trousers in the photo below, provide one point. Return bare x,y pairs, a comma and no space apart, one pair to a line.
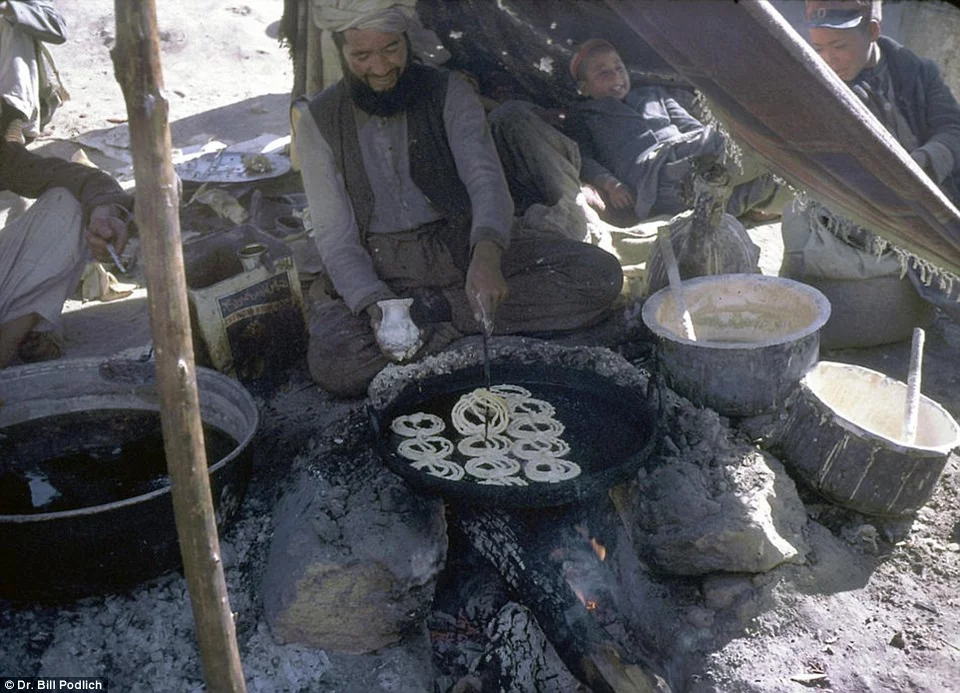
19,75
42,257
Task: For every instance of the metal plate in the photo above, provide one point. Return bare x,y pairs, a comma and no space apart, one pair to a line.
229,167
611,431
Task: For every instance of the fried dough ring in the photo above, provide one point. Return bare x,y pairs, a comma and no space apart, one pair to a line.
480,411
531,406
439,467
532,448
418,425
551,470
511,393
523,427
479,445
492,466
426,448
504,481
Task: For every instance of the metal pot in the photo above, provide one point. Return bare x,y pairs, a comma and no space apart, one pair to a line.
844,437
756,336
111,546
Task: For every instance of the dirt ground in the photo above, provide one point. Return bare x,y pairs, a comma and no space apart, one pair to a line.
876,607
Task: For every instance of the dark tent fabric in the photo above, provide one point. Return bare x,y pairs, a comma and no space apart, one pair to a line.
774,94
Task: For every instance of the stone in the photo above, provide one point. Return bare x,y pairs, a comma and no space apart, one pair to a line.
720,505
360,588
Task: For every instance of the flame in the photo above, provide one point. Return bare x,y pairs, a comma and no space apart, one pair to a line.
590,604
598,549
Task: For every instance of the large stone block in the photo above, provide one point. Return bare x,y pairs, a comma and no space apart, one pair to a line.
353,568
717,505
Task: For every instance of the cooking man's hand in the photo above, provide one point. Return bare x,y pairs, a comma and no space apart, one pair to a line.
617,193
486,288
107,225
375,313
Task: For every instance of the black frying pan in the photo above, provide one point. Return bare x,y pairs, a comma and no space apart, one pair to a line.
611,430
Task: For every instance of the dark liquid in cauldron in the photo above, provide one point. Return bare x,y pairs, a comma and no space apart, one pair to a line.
89,458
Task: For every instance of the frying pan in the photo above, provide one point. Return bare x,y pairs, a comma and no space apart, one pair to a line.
611,429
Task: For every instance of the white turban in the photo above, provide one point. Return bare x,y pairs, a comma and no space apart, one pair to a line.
388,16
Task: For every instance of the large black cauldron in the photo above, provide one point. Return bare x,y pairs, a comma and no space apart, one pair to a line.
612,426
80,430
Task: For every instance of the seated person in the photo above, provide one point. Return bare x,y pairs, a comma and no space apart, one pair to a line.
637,144
908,96
44,251
408,199
27,96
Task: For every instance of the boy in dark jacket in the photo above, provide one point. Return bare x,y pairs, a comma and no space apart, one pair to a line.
909,97
637,144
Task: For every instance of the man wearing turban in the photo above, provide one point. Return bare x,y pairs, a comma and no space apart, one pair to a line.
408,200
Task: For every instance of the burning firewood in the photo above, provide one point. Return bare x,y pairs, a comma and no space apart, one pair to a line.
523,548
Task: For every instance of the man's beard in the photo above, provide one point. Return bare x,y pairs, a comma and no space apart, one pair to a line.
384,103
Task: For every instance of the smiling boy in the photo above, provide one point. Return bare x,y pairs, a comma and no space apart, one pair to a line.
637,144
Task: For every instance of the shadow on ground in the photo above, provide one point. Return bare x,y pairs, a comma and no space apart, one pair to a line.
236,122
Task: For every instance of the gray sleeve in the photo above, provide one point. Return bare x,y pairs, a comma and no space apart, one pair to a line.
941,159
347,262
40,19
478,164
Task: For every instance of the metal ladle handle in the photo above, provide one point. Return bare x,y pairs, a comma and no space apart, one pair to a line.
913,386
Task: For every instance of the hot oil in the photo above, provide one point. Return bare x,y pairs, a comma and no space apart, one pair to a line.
90,458
597,429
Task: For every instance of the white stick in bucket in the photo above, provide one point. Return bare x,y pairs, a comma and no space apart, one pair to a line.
913,387
676,286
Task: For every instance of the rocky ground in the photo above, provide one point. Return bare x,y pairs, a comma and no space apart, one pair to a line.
870,606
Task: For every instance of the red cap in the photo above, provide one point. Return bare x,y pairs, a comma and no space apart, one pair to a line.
585,50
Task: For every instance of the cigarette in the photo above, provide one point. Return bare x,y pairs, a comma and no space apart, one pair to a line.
116,258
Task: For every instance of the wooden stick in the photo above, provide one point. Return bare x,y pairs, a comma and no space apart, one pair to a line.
137,66
913,386
676,285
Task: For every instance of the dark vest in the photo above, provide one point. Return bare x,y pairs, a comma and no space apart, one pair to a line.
432,166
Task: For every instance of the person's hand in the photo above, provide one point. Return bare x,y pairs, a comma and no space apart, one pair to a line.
375,313
485,286
617,193
593,197
922,157
107,225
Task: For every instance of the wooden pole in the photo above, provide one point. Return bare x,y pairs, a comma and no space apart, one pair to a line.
314,56
137,66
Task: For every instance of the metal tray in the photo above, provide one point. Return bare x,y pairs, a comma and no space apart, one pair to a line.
611,431
228,167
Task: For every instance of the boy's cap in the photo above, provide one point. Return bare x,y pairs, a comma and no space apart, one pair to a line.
841,14
588,47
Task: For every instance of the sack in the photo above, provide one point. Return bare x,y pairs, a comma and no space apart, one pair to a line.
247,322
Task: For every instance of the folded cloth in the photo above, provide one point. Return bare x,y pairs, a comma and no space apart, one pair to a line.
99,284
